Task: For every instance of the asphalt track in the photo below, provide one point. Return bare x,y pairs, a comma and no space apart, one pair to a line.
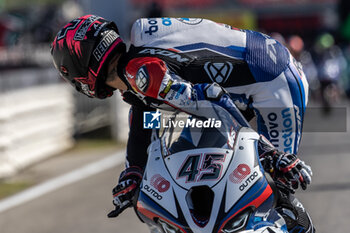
81,206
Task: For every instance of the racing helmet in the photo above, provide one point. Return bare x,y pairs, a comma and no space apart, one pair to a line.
82,50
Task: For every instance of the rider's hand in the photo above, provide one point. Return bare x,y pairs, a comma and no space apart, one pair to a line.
125,191
293,170
287,168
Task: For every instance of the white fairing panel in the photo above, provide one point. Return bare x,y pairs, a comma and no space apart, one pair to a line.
243,172
157,182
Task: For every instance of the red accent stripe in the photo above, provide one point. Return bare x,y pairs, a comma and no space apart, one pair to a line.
290,167
301,178
256,203
128,189
134,173
151,215
174,50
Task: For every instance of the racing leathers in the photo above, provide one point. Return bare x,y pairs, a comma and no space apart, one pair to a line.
172,63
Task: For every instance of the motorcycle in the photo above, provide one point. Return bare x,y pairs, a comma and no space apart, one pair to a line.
207,179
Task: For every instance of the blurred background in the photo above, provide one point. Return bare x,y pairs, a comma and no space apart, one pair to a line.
42,117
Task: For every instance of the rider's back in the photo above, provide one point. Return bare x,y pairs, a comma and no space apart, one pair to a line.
207,41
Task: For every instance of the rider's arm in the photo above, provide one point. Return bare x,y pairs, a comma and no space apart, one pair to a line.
139,138
279,105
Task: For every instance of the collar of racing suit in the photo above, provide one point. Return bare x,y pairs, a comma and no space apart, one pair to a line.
123,61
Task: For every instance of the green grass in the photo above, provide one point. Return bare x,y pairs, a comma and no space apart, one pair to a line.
9,188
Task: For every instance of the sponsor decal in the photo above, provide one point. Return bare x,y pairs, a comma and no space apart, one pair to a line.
63,32
176,91
287,130
166,90
128,75
286,134
171,97
153,25
167,53
142,79
98,28
248,181
104,44
152,192
218,71
190,21
240,173
270,48
243,172
80,33
160,183
180,90
273,132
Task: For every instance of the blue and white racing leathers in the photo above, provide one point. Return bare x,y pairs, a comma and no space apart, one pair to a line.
172,61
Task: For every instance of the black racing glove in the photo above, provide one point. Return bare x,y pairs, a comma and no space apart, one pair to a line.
287,168
293,170
124,192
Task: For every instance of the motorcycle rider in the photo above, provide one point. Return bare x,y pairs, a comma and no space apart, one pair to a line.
191,65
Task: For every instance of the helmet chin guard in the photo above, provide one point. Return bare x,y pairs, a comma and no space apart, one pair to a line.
82,50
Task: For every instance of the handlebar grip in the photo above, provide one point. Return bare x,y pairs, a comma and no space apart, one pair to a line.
114,213
118,210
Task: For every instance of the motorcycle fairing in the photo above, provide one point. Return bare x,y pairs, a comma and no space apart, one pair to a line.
231,195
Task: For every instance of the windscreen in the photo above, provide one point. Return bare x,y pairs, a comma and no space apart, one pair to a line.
183,132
